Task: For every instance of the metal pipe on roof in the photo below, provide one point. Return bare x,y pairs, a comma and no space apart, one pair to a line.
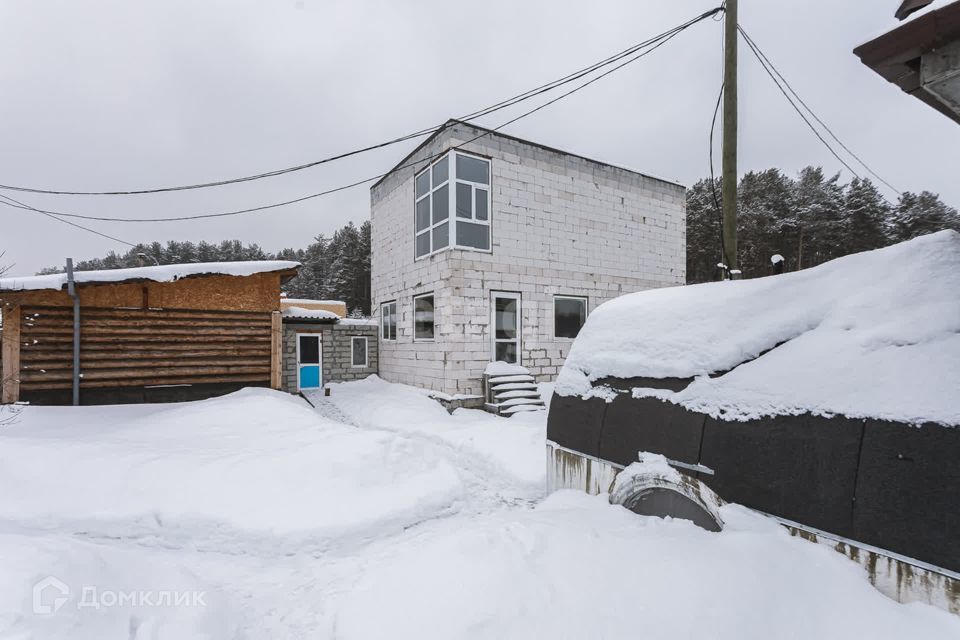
72,291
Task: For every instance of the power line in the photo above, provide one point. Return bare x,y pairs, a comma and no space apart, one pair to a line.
21,205
653,44
797,109
757,51
469,117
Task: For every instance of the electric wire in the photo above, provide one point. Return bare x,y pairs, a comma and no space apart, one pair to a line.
572,77
758,51
21,205
653,44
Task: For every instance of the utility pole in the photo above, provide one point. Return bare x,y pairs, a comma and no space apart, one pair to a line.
729,181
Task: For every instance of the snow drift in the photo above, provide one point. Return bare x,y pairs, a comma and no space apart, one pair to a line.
256,464
873,335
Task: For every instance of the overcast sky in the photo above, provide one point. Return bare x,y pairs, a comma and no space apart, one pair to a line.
101,95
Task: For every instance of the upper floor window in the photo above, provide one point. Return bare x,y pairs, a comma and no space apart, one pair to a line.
463,208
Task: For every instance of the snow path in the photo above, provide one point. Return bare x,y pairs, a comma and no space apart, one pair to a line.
326,408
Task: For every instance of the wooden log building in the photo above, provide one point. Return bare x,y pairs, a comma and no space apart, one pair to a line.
149,334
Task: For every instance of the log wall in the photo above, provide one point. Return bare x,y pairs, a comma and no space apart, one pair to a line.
143,347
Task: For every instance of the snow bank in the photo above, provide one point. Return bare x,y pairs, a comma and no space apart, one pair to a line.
576,567
162,273
875,334
508,452
253,464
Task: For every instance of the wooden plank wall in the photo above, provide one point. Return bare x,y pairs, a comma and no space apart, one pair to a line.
144,347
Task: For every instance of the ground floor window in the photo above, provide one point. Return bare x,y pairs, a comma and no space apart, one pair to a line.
358,351
505,321
423,317
388,321
569,314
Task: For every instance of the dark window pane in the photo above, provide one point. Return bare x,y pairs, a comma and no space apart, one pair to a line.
441,203
359,352
473,169
507,352
481,195
440,171
463,200
473,235
423,183
423,244
423,214
309,349
423,318
569,314
505,315
441,236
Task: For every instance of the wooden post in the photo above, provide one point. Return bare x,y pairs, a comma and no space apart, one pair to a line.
276,346
10,374
729,188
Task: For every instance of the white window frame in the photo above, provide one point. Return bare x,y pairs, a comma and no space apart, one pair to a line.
414,314
452,218
586,312
473,201
366,352
384,335
493,324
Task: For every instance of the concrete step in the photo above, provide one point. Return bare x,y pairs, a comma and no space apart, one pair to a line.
518,393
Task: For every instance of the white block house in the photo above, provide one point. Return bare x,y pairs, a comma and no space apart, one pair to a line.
489,248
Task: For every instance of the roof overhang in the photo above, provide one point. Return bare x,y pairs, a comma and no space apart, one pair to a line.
922,57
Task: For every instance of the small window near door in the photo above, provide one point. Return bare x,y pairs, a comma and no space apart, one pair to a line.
423,318
358,349
388,321
569,314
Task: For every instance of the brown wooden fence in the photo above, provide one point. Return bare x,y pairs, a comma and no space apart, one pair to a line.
143,347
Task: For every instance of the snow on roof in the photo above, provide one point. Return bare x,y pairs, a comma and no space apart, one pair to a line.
300,313
875,334
162,273
296,301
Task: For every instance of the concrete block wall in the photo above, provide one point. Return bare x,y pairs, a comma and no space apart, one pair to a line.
560,225
336,354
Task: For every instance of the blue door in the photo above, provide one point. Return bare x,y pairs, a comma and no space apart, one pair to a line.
308,361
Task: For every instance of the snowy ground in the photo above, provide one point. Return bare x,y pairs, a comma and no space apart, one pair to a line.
265,518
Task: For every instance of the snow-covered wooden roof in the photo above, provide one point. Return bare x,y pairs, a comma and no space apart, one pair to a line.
162,273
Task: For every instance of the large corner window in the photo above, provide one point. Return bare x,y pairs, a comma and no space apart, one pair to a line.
388,321
569,314
423,320
452,197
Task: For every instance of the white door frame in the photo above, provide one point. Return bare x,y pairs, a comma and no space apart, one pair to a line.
512,295
319,337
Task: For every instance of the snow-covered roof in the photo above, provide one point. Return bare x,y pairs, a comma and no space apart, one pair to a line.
302,301
300,313
875,334
162,273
